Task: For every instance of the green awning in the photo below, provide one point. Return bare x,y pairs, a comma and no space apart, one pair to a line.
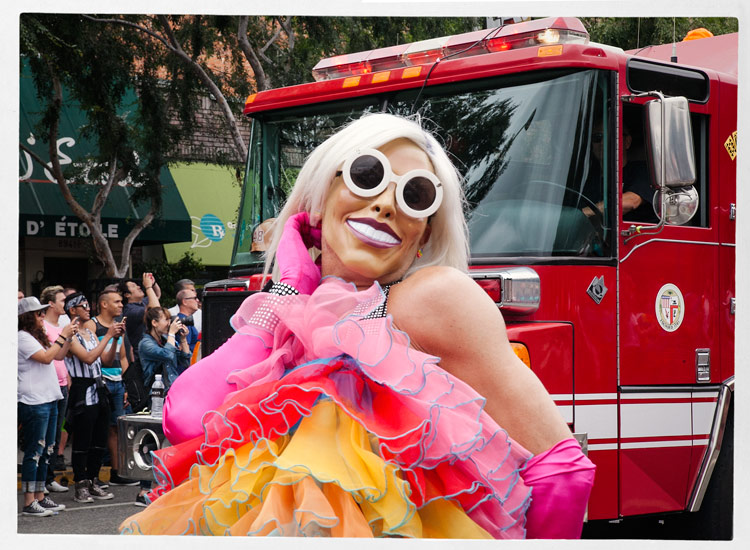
212,197
43,211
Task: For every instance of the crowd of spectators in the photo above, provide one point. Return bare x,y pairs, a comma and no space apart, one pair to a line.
72,369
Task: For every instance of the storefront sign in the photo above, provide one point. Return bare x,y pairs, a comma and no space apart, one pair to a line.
67,227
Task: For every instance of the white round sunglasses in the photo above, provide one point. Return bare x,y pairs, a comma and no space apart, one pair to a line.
367,173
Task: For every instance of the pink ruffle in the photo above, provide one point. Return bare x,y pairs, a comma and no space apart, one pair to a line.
426,421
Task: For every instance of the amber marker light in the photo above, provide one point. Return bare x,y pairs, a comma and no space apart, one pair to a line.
411,72
522,352
377,78
550,51
351,82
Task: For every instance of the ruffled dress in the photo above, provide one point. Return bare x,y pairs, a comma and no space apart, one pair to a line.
344,431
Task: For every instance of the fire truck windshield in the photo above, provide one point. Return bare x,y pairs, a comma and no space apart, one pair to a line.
531,148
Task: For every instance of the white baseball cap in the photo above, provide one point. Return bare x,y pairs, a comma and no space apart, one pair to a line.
30,303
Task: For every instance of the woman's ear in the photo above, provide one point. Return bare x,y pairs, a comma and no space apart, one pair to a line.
425,235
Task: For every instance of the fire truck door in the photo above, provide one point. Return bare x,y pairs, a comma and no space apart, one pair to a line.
668,325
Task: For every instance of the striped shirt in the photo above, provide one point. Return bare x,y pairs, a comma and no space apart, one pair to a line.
79,369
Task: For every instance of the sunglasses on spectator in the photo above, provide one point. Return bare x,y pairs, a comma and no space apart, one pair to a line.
367,173
39,313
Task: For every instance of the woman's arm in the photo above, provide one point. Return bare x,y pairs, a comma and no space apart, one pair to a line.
59,348
446,314
89,357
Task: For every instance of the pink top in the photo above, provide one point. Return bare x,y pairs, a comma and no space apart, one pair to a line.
62,373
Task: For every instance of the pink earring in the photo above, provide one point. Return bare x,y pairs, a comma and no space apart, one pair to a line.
419,253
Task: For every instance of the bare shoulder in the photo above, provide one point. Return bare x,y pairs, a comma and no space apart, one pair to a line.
439,303
434,287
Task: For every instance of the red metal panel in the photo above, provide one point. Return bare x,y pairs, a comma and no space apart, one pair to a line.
550,348
592,328
450,70
726,176
650,355
603,501
653,480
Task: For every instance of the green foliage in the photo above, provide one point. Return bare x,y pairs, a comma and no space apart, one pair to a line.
167,274
319,37
630,33
112,75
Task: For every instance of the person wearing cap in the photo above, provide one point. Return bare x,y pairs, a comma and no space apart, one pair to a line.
88,399
38,393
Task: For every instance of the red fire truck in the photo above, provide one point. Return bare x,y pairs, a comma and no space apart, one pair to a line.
626,316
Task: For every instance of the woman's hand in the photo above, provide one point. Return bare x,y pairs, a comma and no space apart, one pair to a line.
175,327
296,267
69,330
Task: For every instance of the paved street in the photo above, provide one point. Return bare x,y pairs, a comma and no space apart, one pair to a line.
100,518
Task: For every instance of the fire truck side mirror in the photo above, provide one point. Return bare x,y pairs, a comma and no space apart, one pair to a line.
668,130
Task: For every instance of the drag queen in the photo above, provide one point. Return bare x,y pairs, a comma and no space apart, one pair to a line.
382,399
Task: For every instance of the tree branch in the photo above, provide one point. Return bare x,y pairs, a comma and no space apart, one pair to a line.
103,193
136,26
127,243
262,82
174,46
104,252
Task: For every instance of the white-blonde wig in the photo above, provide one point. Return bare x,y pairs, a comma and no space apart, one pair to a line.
448,242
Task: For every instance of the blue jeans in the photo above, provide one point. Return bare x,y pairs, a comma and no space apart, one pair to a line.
38,425
62,406
117,397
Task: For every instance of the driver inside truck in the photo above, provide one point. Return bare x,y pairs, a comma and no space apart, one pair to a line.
637,193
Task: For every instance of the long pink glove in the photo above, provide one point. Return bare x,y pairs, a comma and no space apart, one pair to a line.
296,267
560,479
204,386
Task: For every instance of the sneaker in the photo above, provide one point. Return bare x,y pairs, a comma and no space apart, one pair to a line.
141,501
101,484
115,479
46,491
50,504
82,492
34,509
98,493
55,487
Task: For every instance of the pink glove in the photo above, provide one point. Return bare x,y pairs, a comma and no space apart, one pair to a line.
560,479
296,267
203,386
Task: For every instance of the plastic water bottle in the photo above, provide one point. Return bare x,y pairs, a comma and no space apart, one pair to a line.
157,396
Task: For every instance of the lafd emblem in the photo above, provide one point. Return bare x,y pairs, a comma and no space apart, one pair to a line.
670,307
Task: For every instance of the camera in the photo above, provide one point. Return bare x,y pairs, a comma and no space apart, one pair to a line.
187,320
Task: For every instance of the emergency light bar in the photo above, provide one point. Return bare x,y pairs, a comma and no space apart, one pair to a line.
549,31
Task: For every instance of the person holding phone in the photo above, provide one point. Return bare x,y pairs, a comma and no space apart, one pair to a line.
38,394
114,364
88,399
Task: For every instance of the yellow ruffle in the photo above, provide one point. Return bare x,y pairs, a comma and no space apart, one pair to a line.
324,480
